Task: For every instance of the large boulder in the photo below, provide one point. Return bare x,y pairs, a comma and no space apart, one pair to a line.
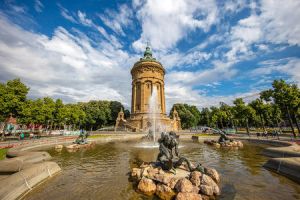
145,171
184,185
188,196
206,180
239,144
173,182
164,192
195,178
207,190
136,174
213,174
147,186
162,178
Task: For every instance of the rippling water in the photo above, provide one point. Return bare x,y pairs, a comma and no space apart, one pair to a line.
101,172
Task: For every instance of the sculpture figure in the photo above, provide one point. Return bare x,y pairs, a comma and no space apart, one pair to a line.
82,138
223,138
167,143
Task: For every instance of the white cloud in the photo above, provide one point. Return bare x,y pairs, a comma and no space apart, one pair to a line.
66,14
218,72
177,93
64,66
280,21
289,66
164,23
276,22
83,19
116,20
38,6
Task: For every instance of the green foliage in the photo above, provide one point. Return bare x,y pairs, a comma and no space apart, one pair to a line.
287,98
189,115
3,154
12,97
55,114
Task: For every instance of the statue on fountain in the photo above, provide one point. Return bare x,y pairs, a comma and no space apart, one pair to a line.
160,177
224,141
82,138
167,143
223,138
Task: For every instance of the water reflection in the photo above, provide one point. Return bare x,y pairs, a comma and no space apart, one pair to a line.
100,173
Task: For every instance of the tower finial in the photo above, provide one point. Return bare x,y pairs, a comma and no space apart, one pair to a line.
148,52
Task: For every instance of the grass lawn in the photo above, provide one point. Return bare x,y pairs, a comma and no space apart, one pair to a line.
98,136
2,153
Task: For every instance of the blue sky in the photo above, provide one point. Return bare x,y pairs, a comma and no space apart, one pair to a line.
212,50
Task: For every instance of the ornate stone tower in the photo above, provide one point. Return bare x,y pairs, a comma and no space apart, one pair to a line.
147,76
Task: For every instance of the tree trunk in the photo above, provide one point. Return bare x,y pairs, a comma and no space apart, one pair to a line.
297,124
262,122
232,124
247,127
278,125
3,132
290,120
222,123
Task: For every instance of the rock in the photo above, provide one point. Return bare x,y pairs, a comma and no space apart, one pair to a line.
240,144
216,190
205,197
151,172
145,164
206,180
217,145
207,190
147,186
195,178
145,170
184,185
173,182
164,192
213,174
188,196
195,189
185,166
136,174
59,146
162,178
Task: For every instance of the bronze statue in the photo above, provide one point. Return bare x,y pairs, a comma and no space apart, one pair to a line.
82,138
223,138
167,143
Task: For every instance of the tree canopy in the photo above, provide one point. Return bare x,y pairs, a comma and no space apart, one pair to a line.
274,106
54,113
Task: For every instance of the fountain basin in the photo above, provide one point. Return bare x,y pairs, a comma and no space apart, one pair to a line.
95,173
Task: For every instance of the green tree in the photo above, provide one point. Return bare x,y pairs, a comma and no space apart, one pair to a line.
12,97
261,110
243,112
189,115
205,117
287,97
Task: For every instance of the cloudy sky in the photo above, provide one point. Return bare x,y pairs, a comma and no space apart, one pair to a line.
212,50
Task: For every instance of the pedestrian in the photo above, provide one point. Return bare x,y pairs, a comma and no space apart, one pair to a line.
22,135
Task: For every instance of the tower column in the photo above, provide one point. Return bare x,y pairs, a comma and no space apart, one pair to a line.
163,99
142,97
133,98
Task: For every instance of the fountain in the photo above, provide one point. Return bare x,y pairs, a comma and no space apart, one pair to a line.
174,175
153,110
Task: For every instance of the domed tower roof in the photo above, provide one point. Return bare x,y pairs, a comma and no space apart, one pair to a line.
147,59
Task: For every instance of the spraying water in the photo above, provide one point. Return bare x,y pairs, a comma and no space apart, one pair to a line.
153,111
